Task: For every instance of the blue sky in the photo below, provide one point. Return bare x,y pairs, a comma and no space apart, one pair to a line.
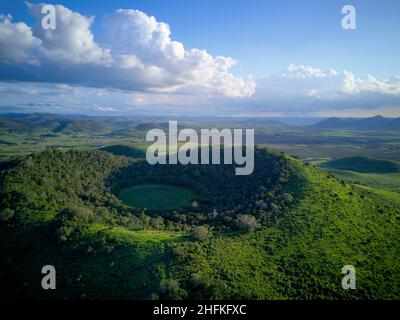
296,44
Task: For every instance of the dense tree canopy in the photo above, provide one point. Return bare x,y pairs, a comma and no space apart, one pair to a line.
283,232
45,183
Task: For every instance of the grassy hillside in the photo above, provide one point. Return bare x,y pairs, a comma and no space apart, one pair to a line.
301,256
363,164
104,249
382,174
385,181
101,263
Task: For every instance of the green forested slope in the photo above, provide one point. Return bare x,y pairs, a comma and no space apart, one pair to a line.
104,249
301,257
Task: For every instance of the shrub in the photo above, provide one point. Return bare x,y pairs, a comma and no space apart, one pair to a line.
247,222
70,220
63,233
6,214
195,204
171,290
157,223
288,198
200,233
198,280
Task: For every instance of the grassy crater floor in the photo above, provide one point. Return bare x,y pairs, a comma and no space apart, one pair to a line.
157,196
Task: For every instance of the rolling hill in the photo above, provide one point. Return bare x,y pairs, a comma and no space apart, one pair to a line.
382,174
373,123
363,164
35,122
59,208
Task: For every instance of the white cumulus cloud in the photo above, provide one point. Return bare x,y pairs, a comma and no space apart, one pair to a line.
71,41
301,89
304,71
136,53
352,84
16,41
141,42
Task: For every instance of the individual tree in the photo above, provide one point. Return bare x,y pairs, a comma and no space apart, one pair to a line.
247,222
6,214
200,233
157,223
288,198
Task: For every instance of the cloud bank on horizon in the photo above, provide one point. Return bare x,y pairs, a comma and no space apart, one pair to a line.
135,66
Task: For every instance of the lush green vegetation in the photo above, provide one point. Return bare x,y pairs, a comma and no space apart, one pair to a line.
124,150
157,196
386,181
24,134
284,232
382,174
363,164
222,196
100,262
286,240
302,254
44,183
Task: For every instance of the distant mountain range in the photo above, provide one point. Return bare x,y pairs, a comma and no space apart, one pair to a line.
57,123
115,126
373,123
54,123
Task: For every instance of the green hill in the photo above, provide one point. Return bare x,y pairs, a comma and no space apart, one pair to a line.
301,256
363,165
303,226
385,181
373,123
